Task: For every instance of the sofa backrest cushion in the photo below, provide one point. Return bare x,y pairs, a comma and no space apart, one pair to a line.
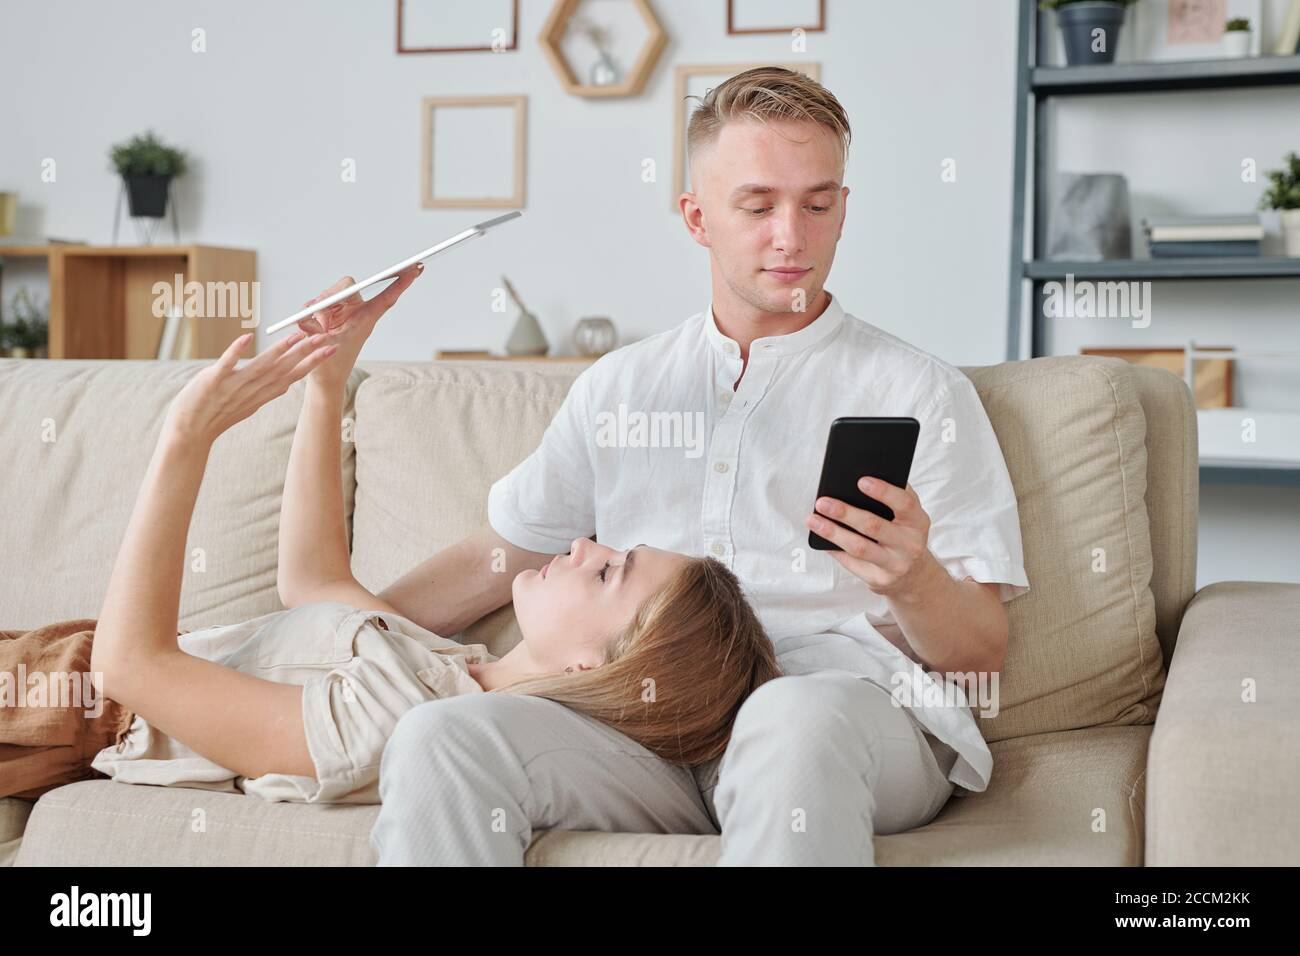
78,436
1083,649
1173,495
432,439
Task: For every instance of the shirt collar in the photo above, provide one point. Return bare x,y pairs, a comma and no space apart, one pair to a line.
829,321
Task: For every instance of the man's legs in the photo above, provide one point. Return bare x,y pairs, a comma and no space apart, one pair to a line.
816,765
467,780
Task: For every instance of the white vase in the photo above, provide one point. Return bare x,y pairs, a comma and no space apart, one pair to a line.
1291,231
527,337
1236,43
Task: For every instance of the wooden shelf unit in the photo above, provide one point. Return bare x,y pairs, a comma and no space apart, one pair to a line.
472,355
102,297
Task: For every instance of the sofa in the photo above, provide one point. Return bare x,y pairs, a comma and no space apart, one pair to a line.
1139,722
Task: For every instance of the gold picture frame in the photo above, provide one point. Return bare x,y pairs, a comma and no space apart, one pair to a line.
427,107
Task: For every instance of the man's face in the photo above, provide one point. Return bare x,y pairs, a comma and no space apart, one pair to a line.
768,198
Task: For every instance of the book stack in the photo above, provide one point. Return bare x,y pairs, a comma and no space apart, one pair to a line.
1195,236
174,339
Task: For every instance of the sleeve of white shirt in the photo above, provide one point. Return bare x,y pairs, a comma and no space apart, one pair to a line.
549,498
961,478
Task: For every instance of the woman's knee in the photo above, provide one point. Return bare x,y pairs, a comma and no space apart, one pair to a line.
472,728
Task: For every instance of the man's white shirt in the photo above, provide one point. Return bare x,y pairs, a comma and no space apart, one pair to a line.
652,445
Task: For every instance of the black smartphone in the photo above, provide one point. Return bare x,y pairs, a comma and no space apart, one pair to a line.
864,447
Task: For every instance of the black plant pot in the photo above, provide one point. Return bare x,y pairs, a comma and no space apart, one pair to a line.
147,195
1078,21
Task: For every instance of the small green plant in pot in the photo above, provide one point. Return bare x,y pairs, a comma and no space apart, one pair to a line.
1089,28
28,334
1283,194
1236,37
147,166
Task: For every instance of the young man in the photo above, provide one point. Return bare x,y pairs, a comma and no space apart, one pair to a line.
826,756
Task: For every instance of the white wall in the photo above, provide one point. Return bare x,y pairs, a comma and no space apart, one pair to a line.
287,90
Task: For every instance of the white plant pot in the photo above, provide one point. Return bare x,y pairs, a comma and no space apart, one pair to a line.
1291,231
1236,43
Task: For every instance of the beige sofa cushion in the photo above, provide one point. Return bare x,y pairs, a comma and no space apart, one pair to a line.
1040,810
432,439
1173,495
70,497
1083,648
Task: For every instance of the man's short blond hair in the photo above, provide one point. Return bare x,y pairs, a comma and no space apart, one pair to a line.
766,93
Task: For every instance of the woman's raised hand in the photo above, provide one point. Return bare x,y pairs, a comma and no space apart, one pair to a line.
350,322
222,395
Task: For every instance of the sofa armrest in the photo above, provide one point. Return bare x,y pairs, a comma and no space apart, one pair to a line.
1223,765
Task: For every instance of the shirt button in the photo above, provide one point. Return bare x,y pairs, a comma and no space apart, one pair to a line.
719,466
717,547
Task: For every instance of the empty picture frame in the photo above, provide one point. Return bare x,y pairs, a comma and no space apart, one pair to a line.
696,80
451,26
776,16
472,151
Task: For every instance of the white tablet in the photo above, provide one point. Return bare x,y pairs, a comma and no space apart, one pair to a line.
392,270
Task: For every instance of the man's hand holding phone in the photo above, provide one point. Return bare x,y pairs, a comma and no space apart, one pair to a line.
899,556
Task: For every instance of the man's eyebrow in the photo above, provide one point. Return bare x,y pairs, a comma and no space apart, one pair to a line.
824,186
627,565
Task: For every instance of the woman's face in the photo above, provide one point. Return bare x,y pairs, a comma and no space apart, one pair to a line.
572,607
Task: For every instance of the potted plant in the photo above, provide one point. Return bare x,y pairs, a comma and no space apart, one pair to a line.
1236,37
147,166
1283,194
28,334
1089,28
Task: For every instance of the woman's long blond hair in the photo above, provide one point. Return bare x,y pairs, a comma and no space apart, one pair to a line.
674,677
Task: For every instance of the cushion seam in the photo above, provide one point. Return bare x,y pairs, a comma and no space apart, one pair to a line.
1128,537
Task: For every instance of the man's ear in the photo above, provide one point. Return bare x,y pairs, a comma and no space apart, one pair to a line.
693,216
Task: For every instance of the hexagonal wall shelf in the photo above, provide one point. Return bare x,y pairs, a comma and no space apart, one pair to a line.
558,23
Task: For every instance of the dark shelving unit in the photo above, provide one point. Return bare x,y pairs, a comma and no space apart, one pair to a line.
1228,267
1158,77
1035,87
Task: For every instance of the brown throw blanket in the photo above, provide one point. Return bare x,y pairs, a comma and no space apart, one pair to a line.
52,719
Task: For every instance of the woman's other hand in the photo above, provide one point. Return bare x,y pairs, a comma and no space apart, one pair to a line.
222,395
350,322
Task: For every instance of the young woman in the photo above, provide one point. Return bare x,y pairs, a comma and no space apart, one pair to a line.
298,704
